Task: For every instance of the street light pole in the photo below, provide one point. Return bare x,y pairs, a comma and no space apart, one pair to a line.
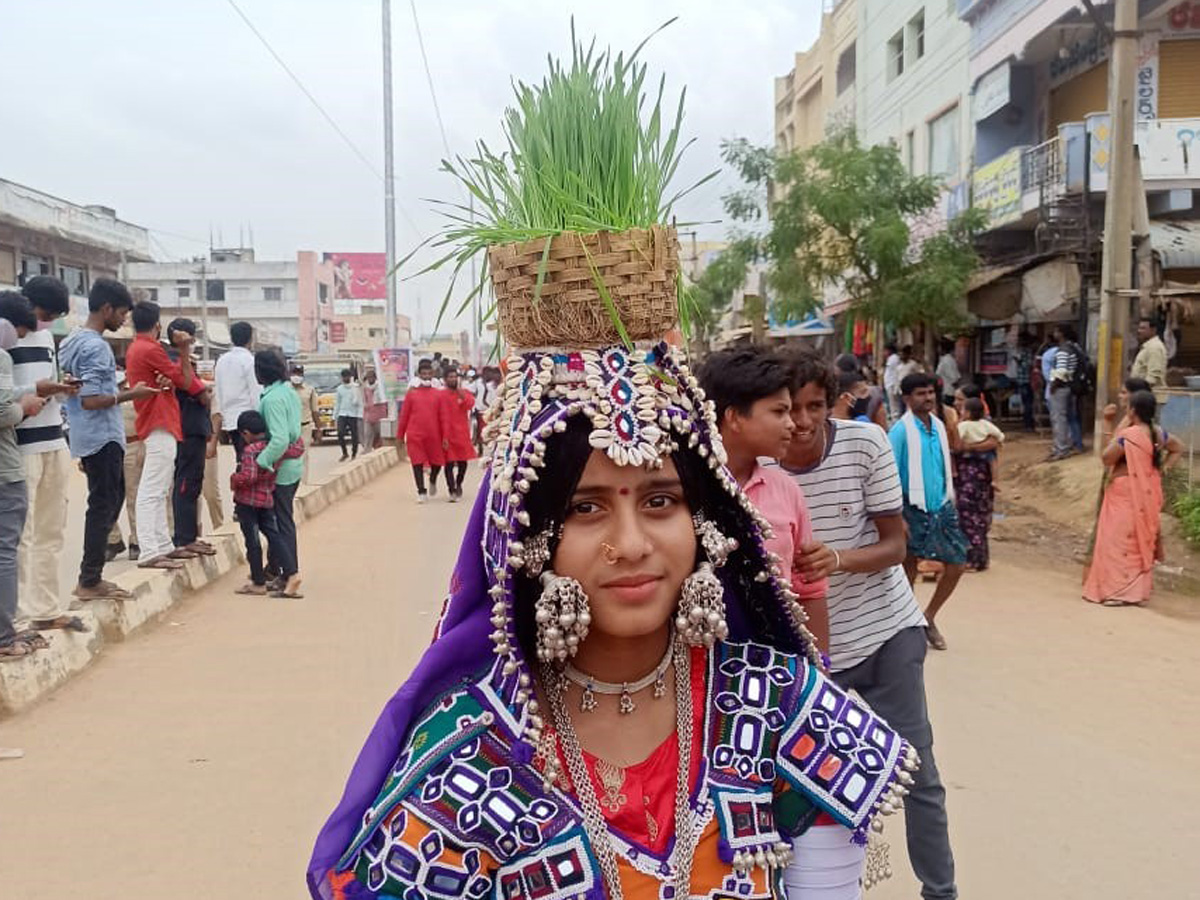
1116,262
389,180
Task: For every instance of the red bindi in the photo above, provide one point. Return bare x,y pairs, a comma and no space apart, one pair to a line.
624,492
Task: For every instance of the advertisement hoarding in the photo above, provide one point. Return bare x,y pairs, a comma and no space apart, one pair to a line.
358,276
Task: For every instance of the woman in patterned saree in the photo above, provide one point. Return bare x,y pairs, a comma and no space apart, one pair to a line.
621,699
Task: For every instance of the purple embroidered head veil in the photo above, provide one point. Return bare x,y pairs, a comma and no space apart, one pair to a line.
642,405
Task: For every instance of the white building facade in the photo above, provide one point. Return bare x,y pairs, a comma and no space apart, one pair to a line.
913,85
228,288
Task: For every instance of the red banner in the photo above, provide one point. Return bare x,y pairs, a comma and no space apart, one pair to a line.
358,276
337,332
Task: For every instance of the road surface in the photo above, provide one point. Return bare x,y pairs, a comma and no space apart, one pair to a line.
322,458
199,759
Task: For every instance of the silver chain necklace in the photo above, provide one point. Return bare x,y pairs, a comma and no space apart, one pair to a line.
626,689
585,791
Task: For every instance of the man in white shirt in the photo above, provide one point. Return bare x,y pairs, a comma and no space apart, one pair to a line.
237,388
948,371
47,461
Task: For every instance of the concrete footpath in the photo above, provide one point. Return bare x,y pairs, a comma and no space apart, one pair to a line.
26,681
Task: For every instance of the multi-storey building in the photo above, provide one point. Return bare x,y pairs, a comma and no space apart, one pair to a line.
818,94
1042,144
43,235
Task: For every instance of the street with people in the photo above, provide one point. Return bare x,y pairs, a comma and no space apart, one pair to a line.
791,495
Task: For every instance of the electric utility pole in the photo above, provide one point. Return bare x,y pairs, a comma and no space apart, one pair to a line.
389,179
1117,261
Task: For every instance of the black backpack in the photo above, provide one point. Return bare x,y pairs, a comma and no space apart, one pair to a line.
1083,381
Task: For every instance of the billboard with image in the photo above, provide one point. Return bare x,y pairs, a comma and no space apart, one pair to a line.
358,276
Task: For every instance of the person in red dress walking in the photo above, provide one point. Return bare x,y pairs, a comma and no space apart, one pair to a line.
457,403
420,427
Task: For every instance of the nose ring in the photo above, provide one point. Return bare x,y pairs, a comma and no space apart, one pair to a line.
610,553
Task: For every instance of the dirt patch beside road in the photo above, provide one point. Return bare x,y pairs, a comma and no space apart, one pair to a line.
1050,509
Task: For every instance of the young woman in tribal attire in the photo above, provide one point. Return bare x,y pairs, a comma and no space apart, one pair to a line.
621,699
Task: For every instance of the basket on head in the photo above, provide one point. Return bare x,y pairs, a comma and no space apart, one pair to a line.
639,269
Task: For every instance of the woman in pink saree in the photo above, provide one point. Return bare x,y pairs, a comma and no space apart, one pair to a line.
1127,534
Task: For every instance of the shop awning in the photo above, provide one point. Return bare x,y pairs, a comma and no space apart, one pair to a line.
1176,243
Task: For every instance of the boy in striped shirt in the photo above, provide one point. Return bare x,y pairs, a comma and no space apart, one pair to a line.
46,457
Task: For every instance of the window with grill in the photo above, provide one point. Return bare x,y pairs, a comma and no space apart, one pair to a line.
75,278
272,293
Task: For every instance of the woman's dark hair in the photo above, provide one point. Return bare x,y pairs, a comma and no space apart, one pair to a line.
269,367
808,368
1133,385
974,409
972,391
48,293
16,309
737,379
1145,407
549,501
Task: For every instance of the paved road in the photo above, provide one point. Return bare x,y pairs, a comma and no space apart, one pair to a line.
322,458
199,759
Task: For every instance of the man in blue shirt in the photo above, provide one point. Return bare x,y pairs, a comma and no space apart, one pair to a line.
97,429
926,478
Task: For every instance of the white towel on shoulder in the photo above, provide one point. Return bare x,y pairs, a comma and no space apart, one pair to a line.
916,480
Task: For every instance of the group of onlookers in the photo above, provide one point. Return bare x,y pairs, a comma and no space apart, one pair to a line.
145,435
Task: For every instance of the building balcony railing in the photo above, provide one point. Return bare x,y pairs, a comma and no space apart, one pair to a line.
1078,160
1041,168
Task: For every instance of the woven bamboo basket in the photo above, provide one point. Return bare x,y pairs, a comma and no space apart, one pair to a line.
639,268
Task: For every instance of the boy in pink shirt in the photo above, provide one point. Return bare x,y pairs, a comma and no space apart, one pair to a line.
752,392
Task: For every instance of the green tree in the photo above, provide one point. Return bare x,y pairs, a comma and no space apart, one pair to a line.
711,295
841,216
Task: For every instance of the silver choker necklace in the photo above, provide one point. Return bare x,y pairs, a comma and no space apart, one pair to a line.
626,689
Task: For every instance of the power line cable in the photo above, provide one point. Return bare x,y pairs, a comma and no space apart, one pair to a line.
313,100
437,110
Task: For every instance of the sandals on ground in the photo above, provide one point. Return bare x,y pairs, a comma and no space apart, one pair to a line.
161,562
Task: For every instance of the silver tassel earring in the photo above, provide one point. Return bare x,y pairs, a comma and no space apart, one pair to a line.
562,615
700,619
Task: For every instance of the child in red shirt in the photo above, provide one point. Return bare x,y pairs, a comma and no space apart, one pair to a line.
254,499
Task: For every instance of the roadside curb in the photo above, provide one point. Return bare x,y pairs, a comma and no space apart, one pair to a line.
25,682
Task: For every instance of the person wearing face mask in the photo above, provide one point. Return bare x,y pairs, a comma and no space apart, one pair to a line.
307,396
420,429
160,428
853,398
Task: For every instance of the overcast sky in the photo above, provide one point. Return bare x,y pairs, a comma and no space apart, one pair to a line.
174,114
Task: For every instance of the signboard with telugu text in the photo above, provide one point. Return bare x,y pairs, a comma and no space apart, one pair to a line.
997,188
